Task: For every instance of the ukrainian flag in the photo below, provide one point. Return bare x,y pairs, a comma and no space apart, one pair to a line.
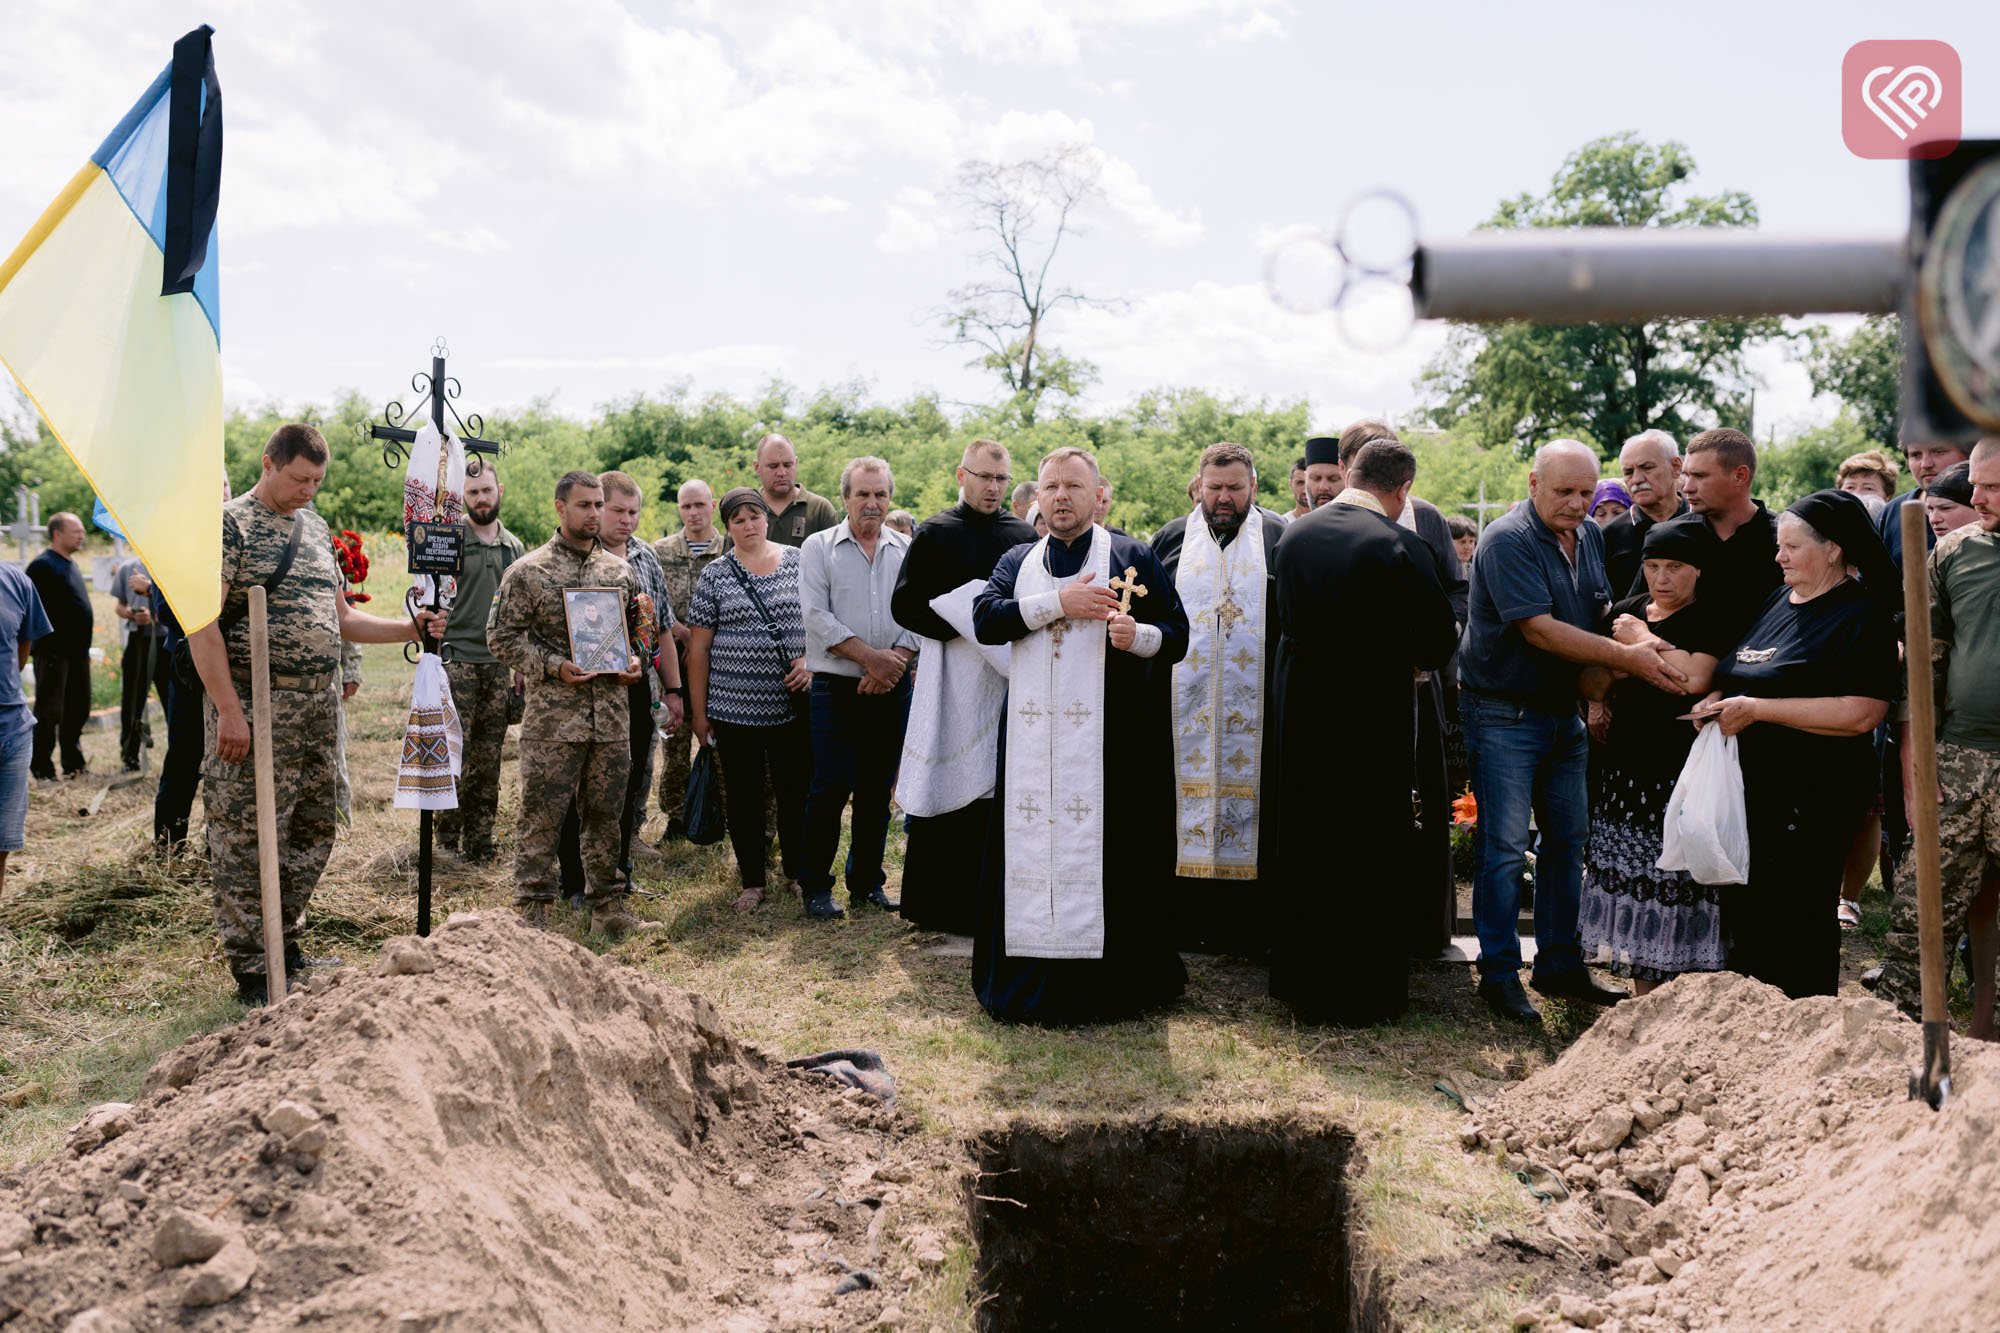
110,321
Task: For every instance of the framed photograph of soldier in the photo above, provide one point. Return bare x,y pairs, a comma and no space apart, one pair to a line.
596,621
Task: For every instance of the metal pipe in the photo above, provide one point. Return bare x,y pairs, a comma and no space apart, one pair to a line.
1628,275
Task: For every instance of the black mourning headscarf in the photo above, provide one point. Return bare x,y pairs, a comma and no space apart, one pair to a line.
1687,539
1844,520
1953,484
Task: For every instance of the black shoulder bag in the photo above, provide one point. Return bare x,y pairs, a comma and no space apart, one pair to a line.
183,655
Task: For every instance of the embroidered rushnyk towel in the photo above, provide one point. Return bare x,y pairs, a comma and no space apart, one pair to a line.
428,776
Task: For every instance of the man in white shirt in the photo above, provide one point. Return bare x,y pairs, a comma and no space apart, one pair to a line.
860,660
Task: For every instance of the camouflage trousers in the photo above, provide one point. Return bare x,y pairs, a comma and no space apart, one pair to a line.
1968,851
553,774
479,692
304,728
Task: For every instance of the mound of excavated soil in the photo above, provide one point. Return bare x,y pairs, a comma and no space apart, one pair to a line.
496,1130
1747,1161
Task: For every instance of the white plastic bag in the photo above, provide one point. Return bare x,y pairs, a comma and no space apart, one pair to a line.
1706,832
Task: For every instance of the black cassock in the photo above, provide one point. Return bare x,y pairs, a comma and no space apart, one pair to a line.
945,852
1226,915
1431,920
1140,969
1360,610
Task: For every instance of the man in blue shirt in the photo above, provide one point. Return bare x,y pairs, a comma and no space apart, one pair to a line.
22,621
1538,598
1927,459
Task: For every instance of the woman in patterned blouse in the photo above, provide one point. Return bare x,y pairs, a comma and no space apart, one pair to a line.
746,673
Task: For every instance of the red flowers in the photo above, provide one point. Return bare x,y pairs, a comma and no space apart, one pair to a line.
353,561
1465,811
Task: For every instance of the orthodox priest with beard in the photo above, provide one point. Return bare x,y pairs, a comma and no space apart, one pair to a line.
1220,558
1361,611
1071,922
951,747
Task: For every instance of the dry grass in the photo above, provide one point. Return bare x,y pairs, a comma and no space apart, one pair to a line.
107,957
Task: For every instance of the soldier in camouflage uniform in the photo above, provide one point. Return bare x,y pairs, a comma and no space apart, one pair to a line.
308,620
1965,657
660,694
680,565
480,682
574,744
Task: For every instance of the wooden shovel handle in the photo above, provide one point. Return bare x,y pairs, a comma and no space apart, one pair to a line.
267,796
1923,761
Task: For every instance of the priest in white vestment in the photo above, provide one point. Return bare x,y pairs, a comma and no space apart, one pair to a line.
1073,911
1220,558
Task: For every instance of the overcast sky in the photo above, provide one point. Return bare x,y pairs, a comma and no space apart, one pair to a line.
594,198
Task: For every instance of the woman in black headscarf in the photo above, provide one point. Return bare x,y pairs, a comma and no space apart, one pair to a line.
1637,919
1803,691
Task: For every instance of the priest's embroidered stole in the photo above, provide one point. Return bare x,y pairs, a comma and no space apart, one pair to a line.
1053,811
1219,700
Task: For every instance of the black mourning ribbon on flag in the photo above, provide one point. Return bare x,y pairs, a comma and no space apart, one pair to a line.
194,160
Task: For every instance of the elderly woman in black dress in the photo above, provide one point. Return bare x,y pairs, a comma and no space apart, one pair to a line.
1803,691
1636,919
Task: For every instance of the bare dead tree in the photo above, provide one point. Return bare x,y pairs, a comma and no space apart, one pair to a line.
1022,212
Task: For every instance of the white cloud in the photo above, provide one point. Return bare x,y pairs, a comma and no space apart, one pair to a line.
1135,200
238,388
1785,397
716,100
1038,32
1233,339
817,204
1017,135
911,222
475,240
1256,24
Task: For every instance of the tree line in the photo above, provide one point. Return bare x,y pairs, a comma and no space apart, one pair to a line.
1148,451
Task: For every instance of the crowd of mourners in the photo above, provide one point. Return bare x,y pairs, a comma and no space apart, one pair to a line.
1252,732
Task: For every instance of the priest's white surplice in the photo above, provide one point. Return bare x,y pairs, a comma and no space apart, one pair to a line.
1053,805
953,739
1219,700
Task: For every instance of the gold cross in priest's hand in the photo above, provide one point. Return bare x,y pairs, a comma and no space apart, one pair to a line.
1126,586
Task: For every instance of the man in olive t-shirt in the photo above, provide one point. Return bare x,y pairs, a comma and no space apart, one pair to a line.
796,513
1965,664
480,683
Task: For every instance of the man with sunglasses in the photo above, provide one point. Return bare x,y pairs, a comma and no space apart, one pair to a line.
957,547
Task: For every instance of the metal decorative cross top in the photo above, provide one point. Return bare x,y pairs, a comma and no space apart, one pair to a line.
437,545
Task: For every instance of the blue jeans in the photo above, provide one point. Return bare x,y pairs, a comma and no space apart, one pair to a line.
1524,760
14,752
857,743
